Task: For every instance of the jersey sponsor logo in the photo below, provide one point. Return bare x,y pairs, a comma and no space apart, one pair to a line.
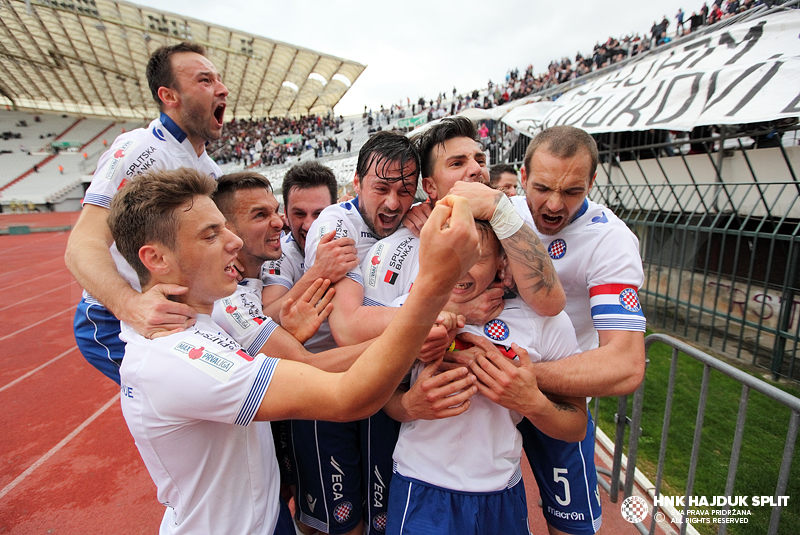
599,219
326,227
126,391
566,515
336,482
378,490
159,134
215,364
557,249
118,156
244,355
629,300
142,163
400,254
365,234
497,330
391,277
274,271
342,512
375,264
239,321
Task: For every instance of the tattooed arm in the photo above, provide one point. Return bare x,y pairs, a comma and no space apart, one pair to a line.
530,266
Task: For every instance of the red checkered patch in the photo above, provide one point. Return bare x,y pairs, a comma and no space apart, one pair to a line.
342,512
557,249
629,300
496,330
379,522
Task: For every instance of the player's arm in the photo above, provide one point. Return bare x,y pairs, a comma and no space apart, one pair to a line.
351,322
531,267
89,260
449,246
514,386
616,368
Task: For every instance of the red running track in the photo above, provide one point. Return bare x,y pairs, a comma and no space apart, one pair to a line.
68,464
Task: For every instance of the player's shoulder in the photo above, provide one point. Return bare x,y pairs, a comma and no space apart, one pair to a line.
598,219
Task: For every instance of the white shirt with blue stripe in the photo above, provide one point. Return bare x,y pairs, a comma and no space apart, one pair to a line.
597,260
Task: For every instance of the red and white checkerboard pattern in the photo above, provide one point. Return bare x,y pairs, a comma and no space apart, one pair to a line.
557,249
629,300
496,330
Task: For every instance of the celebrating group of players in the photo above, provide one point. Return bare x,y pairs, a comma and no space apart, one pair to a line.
405,353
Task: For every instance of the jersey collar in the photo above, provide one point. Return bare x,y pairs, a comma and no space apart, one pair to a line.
584,207
172,127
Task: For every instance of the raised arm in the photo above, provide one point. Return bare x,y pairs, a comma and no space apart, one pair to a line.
89,260
449,247
531,267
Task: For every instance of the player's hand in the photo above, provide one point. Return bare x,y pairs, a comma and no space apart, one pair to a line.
440,336
239,267
345,197
449,246
303,318
482,308
507,382
415,218
439,395
481,198
335,258
154,315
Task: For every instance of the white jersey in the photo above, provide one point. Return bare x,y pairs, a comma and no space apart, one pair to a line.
479,450
348,223
597,260
286,271
162,145
390,267
189,400
241,315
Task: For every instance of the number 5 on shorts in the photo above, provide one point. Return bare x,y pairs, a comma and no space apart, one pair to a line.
559,478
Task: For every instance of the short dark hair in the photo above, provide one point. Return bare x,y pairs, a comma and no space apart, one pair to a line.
229,184
144,211
159,67
563,142
384,149
433,136
496,171
308,175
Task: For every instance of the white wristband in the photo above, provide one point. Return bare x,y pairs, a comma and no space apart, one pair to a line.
505,220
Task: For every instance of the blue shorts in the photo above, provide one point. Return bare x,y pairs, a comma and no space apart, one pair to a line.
283,451
567,479
285,525
97,335
343,471
417,508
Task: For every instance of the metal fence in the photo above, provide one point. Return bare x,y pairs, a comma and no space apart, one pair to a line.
749,383
717,213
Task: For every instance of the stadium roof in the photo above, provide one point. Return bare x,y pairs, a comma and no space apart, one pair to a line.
89,56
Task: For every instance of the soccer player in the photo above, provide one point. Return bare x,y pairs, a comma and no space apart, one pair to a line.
192,100
462,474
597,259
339,467
503,177
189,397
308,188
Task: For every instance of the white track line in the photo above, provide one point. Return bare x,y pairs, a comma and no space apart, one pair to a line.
31,326
34,242
37,296
38,265
55,449
52,360
26,281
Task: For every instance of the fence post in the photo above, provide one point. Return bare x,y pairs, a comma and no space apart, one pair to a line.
785,316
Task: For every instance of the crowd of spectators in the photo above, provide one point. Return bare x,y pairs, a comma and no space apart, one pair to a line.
273,141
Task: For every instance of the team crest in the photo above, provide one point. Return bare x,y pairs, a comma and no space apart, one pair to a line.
342,512
379,522
629,300
557,249
497,330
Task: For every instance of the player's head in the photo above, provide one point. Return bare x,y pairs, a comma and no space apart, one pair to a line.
169,230
449,152
188,88
488,268
386,181
307,189
251,211
503,177
560,167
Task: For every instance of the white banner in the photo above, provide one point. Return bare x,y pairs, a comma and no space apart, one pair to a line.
745,73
